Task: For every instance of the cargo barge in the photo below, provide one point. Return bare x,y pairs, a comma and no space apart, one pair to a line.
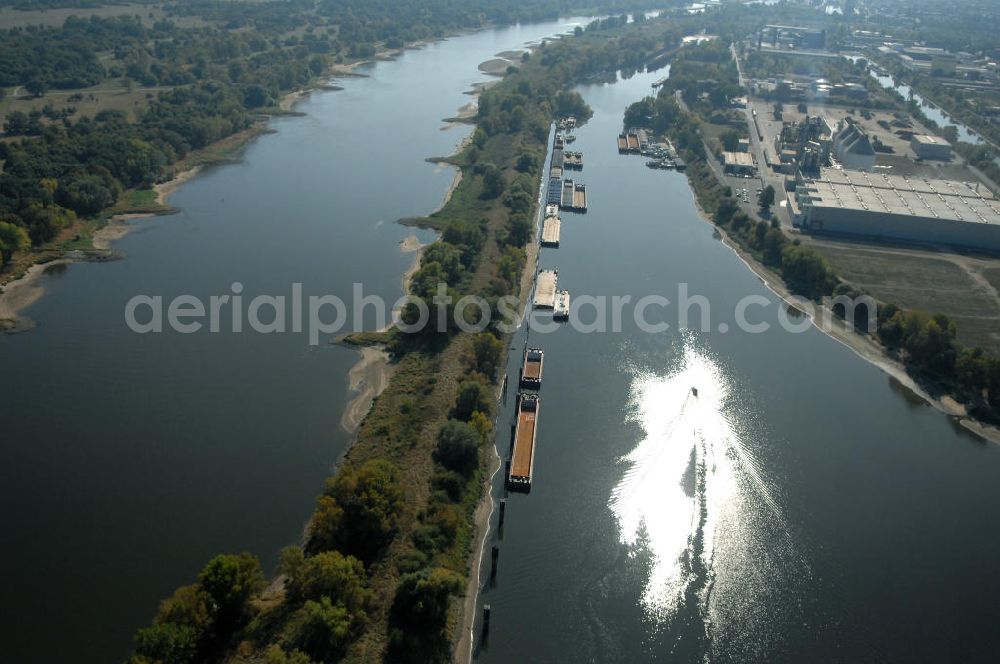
545,290
560,309
531,368
554,194
550,231
522,461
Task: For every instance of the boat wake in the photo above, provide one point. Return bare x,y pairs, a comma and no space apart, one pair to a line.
691,490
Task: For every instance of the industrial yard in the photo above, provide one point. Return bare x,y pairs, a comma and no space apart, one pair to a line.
887,202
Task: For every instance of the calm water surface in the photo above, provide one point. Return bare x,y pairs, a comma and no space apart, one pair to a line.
799,508
127,461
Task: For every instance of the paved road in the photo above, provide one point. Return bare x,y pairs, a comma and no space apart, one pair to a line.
767,176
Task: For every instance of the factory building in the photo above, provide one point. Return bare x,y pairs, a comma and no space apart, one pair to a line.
852,147
737,163
931,147
893,207
793,36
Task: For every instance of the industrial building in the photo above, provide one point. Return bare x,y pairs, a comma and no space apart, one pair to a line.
852,147
894,207
931,147
804,145
737,163
793,36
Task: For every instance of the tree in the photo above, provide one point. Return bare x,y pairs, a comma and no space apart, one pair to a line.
189,606
774,242
360,510
230,580
730,140
725,211
805,271
321,629
766,198
255,96
473,396
458,447
519,229
420,614
487,353
85,194
972,371
527,162
12,238
17,123
167,643
276,655
36,87
326,523
327,574
493,181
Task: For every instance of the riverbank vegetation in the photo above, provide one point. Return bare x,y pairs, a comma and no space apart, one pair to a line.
101,105
386,553
925,342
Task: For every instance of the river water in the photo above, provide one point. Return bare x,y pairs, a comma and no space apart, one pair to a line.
930,110
128,460
800,507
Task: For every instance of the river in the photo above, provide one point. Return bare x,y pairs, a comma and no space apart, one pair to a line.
128,460
800,507
932,111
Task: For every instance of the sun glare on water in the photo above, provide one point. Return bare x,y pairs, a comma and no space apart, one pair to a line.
682,486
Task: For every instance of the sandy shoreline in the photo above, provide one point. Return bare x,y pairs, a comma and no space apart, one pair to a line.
24,291
366,379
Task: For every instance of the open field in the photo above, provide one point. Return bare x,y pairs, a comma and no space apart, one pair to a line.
149,13
109,95
963,287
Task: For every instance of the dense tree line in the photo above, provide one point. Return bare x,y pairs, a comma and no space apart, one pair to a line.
63,169
41,58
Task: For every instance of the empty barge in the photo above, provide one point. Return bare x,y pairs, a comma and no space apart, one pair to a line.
550,232
531,369
522,461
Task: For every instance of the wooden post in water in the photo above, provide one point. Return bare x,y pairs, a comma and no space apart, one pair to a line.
486,620
503,510
495,554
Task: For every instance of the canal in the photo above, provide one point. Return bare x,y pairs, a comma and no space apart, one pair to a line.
800,507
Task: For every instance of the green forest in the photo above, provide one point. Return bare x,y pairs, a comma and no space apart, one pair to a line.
206,82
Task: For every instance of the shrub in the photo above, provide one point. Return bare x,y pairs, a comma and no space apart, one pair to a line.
458,447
